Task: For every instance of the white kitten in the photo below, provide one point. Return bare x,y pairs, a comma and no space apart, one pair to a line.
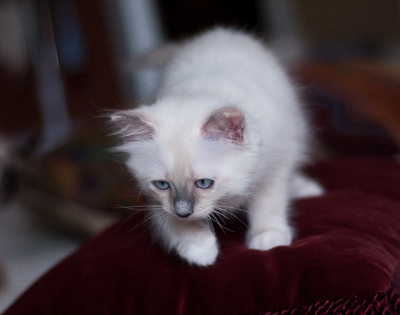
226,130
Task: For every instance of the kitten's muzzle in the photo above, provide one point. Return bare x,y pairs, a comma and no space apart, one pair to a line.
183,207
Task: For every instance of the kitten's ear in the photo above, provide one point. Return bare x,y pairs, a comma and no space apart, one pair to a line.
132,126
227,123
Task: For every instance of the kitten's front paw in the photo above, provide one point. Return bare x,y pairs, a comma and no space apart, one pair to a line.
202,251
269,239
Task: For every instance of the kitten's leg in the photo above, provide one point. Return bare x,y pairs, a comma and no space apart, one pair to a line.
268,220
192,240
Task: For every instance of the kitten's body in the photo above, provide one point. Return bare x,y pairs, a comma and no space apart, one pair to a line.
226,111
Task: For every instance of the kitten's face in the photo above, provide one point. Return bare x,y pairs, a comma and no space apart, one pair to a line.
187,173
189,178
187,197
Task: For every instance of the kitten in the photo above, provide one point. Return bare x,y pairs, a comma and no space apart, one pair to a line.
226,131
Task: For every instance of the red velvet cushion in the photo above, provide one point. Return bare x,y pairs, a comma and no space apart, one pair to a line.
345,255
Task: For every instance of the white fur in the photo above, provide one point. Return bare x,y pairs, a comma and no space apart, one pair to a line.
219,69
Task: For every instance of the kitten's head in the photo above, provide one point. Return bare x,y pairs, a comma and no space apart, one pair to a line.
186,161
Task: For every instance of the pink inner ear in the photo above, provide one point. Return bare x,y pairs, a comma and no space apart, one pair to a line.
133,128
228,124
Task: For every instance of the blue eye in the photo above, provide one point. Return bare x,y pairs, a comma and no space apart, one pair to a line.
204,183
161,184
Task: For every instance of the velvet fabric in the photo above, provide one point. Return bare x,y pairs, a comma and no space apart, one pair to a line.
343,261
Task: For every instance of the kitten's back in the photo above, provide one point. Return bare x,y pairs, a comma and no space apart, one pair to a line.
237,69
223,51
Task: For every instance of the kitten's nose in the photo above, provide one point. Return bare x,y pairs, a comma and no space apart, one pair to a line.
183,208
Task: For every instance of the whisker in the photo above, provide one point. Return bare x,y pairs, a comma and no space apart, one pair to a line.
220,217
208,221
223,228
126,220
225,208
155,226
134,208
213,218
137,208
140,223
221,208
153,223
151,209
141,189
220,214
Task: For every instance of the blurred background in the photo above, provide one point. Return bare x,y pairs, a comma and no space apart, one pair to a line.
63,62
